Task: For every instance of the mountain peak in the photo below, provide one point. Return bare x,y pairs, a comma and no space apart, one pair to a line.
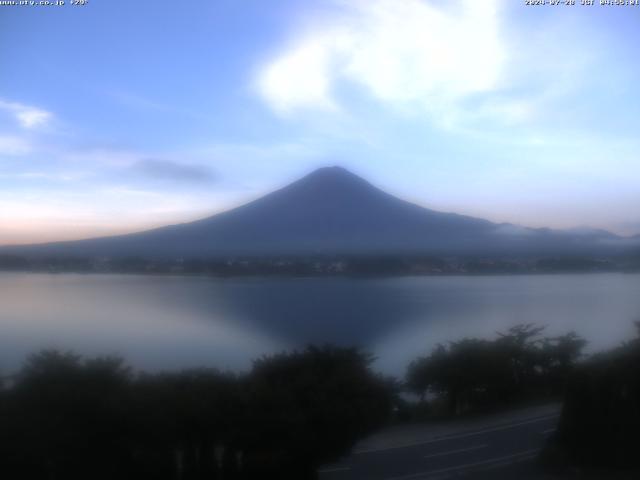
331,187
330,210
334,176
334,171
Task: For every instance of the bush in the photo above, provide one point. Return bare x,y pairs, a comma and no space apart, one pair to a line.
600,419
473,374
71,418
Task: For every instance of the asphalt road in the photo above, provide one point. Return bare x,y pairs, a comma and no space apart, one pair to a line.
498,447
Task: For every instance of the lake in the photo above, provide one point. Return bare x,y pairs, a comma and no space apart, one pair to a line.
170,322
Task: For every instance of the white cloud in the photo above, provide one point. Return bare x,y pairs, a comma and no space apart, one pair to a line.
14,145
403,52
300,78
27,116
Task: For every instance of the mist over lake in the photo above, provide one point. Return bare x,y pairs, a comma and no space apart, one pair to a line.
172,322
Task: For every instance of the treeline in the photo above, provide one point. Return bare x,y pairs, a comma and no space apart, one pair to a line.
600,423
67,417
235,266
322,265
599,427
474,374
64,417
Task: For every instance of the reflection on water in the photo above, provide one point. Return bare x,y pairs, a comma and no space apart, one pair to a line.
173,322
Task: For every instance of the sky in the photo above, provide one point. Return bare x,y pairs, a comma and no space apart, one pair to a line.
118,116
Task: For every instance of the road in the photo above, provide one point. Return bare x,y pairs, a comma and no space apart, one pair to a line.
496,447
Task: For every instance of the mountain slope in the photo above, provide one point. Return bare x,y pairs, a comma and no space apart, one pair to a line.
331,211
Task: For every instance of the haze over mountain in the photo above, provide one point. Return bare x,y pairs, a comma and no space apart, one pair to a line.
333,211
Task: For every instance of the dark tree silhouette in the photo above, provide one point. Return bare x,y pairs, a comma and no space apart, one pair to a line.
65,416
71,418
314,405
600,418
474,374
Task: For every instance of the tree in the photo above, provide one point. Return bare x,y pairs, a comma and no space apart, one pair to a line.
67,416
474,373
312,406
600,418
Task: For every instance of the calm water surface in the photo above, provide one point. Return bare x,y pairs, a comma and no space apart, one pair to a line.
167,322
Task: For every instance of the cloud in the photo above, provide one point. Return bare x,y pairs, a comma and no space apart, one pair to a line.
169,171
513,230
38,216
14,145
27,116
629,227
403,52
300,78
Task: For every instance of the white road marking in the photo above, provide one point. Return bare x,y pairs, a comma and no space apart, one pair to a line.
490,463
458,436
549,430
460,450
